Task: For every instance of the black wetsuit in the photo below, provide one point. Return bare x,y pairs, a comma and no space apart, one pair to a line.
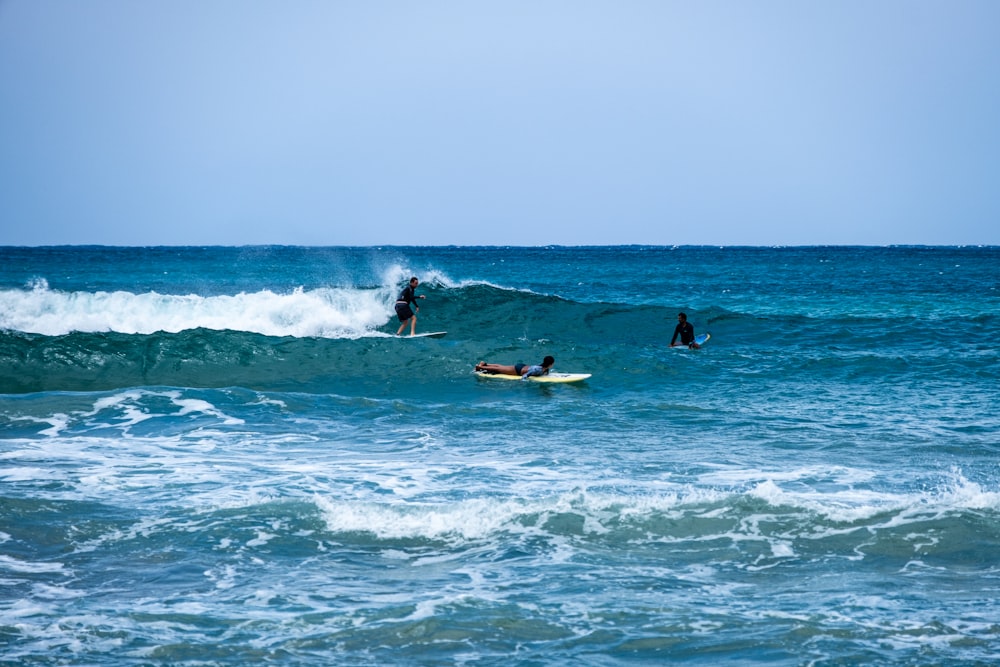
685,331
406,297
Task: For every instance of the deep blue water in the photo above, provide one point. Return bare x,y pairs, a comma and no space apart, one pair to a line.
222,456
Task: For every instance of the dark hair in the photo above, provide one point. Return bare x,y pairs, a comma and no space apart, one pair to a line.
684,315
548,361
414,278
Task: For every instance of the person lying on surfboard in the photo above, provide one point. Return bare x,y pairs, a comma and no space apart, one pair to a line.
403,310
685,331
524,370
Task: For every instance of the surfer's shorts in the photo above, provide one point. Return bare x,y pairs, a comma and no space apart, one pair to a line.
518,368
403,311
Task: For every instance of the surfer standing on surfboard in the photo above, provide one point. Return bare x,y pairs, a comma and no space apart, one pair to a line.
685,331
403,310
524,370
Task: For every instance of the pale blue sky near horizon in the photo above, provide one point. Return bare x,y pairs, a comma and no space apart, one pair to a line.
243,122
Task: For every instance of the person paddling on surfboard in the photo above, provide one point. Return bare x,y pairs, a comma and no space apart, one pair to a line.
403,310
524,370
685,331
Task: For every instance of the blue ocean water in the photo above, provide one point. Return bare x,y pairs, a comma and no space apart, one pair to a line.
223,456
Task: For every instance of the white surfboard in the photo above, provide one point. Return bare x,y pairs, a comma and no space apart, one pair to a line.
550,377
429,334
699,339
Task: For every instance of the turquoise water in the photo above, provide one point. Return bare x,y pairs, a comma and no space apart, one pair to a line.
221,456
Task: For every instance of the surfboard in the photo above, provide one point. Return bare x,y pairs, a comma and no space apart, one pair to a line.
429,334
699,339
551,377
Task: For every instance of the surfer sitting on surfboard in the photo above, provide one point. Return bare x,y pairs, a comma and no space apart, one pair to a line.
524,370
685,331
403,310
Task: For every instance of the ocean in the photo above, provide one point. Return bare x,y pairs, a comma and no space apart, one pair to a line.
224,456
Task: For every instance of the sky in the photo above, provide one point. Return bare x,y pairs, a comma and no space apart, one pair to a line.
449,122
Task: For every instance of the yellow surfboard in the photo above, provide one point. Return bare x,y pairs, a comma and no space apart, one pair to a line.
550,377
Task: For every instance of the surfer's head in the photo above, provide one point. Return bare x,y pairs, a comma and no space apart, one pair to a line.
548,361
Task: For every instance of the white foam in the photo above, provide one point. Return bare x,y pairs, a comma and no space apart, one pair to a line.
472,519
600,512
322,312
261,539
15,565
25,474
477,518
325,312
57,423
189,405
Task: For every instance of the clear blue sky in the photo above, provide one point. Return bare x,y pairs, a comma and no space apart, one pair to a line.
189,122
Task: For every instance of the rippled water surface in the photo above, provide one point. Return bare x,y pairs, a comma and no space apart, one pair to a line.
223,456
